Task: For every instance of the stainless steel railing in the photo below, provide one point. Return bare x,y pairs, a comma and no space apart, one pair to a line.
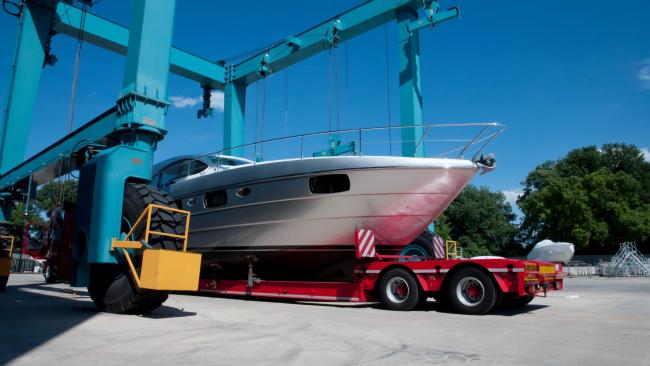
361,142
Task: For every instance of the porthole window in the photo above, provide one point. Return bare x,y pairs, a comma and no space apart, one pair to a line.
215,199
331,183
243,192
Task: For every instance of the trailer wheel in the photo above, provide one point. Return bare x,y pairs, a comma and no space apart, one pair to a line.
471,291
48,273
398,290
112,287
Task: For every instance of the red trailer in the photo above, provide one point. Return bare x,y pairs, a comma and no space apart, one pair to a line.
472,286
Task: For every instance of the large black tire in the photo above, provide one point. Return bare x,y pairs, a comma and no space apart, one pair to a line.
422,246
112,287
5,230
471,291
399,290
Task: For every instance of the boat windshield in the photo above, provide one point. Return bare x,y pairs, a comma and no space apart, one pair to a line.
229,161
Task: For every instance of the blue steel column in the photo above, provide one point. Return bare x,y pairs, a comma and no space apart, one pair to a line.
33,37
233,116
140,124
410,94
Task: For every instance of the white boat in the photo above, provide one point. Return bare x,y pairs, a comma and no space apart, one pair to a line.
550,251
299,215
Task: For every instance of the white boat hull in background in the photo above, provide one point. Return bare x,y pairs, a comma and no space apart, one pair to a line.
550,251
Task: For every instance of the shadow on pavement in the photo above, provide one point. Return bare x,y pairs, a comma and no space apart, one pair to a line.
501,311
167,312
34,313
29,319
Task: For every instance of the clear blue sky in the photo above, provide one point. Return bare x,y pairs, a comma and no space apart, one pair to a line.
560,74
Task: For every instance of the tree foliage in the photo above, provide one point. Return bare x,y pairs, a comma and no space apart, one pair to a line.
46,199
18,217
594,198
481,221
54,191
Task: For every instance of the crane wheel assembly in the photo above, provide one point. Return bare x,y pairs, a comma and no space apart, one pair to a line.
112,286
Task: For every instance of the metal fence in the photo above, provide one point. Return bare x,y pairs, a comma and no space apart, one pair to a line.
26,265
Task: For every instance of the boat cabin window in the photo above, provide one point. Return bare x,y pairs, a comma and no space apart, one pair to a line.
180,169
225,161
332,183
215,199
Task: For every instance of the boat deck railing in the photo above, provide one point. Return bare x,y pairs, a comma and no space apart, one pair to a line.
428,140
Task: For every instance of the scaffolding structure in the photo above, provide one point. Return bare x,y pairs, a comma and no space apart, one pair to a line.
628,262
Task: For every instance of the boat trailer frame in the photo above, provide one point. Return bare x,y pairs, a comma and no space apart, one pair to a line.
514,278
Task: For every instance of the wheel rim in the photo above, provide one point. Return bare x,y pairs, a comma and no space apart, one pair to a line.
470,291
397,290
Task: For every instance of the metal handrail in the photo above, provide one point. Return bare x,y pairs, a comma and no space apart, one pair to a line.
486,135
360,130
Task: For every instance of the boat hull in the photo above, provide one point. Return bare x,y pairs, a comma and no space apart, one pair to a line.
282,222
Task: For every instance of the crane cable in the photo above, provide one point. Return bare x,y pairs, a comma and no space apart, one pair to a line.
346,110
329,90
257,112
390,135
263,117
286,107
75,72
334,112
73,95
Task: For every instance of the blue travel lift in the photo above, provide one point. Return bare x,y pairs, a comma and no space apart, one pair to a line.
114,151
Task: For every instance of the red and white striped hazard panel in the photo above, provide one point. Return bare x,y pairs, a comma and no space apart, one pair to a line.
438,247
364,240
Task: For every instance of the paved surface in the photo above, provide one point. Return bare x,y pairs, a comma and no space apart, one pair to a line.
596,321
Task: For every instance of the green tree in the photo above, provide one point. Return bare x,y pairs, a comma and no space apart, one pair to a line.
54,191
594,198
18,219
481,221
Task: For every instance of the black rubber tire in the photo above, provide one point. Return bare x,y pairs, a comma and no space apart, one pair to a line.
488,299
5,230
112,287
412,297
422,245
519,301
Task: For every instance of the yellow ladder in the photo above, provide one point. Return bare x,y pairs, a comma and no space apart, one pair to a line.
161,269
451,249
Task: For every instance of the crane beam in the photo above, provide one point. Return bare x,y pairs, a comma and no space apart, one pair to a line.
114,37
48,163
321,37
329,34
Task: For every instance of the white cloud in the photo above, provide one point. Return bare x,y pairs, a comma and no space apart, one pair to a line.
644,74
512,195
216,100
646,154
180,101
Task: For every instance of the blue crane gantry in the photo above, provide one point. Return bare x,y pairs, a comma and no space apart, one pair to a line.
117,146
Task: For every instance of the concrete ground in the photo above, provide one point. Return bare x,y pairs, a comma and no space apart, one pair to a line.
596,321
